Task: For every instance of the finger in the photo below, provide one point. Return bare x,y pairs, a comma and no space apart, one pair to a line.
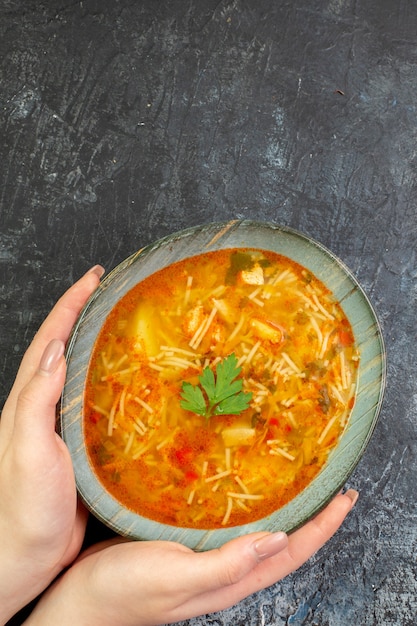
262,573
57,325
305,541
34,420
62,318
234,560
272,554
311,537
225,567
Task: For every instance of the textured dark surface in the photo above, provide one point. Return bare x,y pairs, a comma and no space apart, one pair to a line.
124,121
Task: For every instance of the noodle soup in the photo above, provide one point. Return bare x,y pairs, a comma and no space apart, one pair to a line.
252,324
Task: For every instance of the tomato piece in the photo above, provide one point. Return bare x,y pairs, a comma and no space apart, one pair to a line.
183,455
345,338
191,476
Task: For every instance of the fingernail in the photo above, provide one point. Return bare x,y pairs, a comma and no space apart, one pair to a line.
51,357
98,270
353,495
268,546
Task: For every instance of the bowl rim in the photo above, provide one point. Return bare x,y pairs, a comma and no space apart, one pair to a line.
213,234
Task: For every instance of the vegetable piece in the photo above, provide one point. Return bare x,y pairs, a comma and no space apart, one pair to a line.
254,276
239,436
264,329
239,261
223,393
324,399
143,325
226,311
345,338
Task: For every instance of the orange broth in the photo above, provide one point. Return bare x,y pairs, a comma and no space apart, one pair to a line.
298,359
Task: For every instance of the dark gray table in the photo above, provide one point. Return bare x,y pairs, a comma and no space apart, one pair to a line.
124,121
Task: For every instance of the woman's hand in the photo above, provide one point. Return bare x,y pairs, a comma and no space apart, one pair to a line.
159,582
41,525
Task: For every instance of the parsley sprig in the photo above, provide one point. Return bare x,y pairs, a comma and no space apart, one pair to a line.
219,394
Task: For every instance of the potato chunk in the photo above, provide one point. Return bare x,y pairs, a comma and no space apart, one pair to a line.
264,329
254,276
240,436
143,329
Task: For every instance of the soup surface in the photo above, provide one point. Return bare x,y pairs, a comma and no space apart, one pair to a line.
217,387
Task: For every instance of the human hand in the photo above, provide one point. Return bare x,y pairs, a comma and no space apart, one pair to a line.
160,582
41,525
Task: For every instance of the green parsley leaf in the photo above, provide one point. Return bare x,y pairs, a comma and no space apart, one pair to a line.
208,382
233,405
219,394
193,399
227,370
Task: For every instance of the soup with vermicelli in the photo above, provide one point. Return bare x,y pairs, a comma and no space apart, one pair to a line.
217,388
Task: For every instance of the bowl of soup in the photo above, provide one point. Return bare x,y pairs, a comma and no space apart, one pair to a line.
225,379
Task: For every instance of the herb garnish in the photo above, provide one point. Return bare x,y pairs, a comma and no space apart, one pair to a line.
218,394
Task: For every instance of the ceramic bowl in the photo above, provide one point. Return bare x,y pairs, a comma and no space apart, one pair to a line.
235,234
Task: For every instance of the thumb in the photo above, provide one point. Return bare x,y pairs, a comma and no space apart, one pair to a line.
234,560
36,403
